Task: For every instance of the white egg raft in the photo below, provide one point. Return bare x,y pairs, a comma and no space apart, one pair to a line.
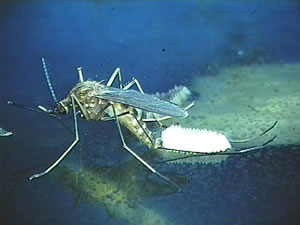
194,140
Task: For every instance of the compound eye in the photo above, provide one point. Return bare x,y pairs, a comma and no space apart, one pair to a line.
62,108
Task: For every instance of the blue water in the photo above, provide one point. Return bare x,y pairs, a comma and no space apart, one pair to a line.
161,43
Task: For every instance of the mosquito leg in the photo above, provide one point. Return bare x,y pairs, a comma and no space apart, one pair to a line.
190,106
67,151
80,74
116,73
138,157
241,151
134,82
253,138
82,109
110,118
141,126
157,119
258,147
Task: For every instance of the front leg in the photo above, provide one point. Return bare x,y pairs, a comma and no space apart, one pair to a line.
68,150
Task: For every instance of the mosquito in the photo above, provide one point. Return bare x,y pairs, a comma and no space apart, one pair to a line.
96,101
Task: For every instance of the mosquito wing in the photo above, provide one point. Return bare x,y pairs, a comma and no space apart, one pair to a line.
141,101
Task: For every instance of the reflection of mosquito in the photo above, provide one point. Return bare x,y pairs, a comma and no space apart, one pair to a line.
95,101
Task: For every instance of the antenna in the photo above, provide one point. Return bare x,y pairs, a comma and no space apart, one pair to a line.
46,73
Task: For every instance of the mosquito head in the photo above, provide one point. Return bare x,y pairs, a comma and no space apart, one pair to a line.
63,107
